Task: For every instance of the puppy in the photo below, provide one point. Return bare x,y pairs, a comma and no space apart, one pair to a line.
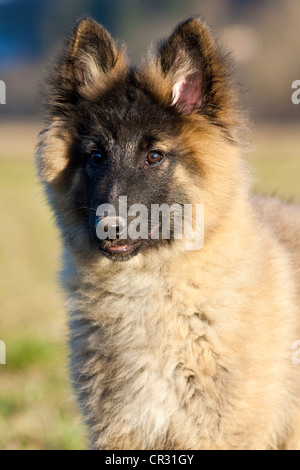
171,348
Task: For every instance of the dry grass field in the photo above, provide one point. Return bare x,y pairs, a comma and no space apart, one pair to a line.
37,408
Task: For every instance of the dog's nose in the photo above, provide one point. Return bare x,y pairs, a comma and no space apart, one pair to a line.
113,227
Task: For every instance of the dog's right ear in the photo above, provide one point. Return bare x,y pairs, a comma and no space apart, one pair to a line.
88,64
92,53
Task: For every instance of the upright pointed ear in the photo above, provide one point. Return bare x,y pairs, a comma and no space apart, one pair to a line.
92,52
89,62
191,68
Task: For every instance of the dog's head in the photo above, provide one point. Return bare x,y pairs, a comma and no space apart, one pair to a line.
166,133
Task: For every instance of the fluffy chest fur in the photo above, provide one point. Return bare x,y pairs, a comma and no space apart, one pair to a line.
156,354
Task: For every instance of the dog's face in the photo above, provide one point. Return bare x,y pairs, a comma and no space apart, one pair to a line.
128,149
161,134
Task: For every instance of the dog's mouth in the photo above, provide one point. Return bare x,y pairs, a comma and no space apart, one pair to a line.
122,250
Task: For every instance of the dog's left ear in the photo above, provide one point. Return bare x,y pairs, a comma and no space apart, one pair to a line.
190,70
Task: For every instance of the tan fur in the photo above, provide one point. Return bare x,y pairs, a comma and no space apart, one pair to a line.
52,151
179,349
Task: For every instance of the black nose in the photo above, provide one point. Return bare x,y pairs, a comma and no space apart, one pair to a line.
113,227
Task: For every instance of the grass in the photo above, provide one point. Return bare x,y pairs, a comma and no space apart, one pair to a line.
277,161
37,408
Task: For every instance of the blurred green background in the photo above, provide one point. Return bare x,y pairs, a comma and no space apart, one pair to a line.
37,408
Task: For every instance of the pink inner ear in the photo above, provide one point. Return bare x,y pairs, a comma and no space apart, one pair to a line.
187,93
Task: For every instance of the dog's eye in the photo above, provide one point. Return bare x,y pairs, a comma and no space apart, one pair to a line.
96,159
154,157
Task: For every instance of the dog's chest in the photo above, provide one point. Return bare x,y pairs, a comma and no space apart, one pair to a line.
168,361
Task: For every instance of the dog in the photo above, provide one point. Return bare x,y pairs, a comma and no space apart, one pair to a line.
171,348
